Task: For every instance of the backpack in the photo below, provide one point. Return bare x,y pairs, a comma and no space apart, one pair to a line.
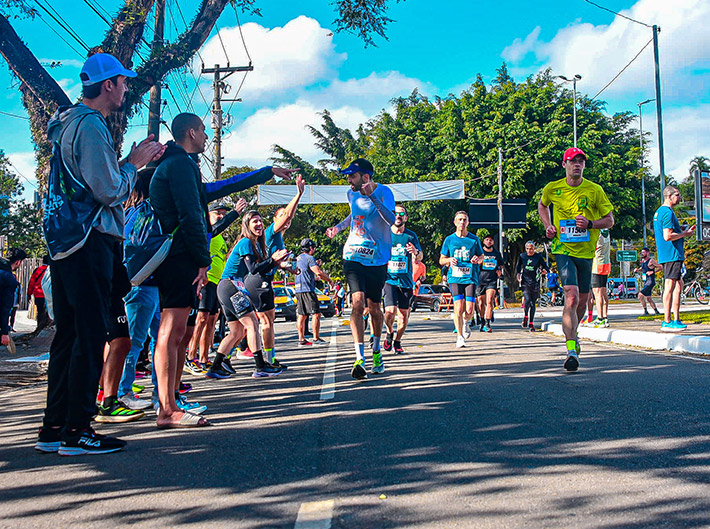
146,246
70,209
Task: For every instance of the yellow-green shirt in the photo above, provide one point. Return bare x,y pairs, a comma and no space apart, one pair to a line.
218,253
588,199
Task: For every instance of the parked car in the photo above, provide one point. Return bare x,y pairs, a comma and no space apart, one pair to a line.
327,307
285,303
433,297
630,288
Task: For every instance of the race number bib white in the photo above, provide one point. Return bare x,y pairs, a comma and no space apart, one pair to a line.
460,271
359,249
569,232
397,267
489,262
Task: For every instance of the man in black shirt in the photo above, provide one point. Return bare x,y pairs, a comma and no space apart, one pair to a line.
528,266
491,270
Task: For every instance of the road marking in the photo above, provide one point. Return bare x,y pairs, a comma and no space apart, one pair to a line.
315,515
327,391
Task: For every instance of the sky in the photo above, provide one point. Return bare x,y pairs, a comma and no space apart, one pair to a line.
301,67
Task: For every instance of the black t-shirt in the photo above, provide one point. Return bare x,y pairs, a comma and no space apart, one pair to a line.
492,261
528,266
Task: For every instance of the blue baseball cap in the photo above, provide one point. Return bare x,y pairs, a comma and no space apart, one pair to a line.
102,66
359,166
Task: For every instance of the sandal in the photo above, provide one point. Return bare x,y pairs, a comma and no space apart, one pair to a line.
188,420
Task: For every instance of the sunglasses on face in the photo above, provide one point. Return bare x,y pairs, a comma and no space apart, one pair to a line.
400,213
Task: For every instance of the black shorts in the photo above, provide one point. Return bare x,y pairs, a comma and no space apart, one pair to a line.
461,291
261,292
208,299
118,322
192,317
307,303
398,297
367,279
483,287
648,288
174,279
672,270
235,302
599,280
531,293
575,271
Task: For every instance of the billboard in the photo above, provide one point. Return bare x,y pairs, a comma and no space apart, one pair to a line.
702,204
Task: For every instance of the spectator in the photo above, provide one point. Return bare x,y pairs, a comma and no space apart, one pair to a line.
8,287
34,288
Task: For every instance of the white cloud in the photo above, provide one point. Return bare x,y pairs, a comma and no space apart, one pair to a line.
296,55
519,49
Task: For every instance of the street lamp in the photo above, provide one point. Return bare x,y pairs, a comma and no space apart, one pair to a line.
574,80
643,180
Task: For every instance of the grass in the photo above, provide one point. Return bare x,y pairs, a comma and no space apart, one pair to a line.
697,316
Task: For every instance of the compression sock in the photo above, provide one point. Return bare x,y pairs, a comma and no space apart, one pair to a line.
571,345
532,314
360,351
108,400
269,353
375,343
259,359
589,318
219,357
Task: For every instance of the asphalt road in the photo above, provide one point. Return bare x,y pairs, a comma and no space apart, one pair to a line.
494,435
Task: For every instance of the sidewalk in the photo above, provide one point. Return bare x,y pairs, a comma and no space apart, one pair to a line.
28,365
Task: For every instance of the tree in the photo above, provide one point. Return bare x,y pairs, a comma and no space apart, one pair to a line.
21,222
42,95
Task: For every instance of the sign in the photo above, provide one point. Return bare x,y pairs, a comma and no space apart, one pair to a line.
702,205
483,213
626,256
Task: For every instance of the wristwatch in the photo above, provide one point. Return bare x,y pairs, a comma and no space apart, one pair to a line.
590,225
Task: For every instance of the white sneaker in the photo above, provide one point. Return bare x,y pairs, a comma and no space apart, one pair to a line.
460,342
132,402
466,330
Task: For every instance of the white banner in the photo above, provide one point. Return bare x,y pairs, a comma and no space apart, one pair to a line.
272,195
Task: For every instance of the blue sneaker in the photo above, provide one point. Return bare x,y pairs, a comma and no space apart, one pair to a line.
667,325
48,440
679,325
193,407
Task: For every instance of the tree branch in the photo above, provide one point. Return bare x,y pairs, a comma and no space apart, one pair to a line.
126,32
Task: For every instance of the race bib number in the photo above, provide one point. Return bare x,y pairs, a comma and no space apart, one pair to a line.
643,277
489,263
361,250
569,232
460,271
397,267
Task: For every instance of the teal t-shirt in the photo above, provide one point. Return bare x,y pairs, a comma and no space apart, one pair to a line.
399,267
668,251
235,267
462,248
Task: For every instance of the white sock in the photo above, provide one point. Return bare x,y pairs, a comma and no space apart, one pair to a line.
360,351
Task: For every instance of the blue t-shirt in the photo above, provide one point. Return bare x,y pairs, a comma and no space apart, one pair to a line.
274,241
462,248
667,250
235,267
399,267
552,280
306,280
370,238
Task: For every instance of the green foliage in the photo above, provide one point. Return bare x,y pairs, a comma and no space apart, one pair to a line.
21,222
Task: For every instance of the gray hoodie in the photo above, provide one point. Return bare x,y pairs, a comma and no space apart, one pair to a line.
88,151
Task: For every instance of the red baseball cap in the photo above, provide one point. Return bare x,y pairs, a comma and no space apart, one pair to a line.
572,152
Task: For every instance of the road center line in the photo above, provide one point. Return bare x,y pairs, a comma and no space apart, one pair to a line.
315,515
327,391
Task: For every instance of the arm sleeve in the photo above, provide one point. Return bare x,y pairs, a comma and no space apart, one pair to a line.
223,224
236,183
345,223
97,161
385,207
259,268
519,268
191,220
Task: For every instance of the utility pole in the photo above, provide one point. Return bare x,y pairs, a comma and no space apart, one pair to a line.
574,80
500,219
659,113
643,179
155,90
217,122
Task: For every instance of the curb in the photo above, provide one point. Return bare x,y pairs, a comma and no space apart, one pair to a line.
656,341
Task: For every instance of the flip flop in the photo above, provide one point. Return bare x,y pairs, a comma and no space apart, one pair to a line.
188,420
11,345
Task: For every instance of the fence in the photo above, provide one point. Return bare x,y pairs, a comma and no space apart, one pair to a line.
23,274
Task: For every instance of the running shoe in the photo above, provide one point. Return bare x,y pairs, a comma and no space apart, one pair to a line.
572,361
466,331
486,328
645,313
525,322
597,323
679,325
460,342
668,326
185,388
48,440
378,366
228,367
117,413
531,327
267,371
387,342
137,388
193,407
279,365
217,373
305,343
605,322
246,354
358,372
194,367
132,402
372,340
483,327
319,341
398,348
88,442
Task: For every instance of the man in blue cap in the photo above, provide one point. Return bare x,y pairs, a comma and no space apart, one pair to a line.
83,275
366,253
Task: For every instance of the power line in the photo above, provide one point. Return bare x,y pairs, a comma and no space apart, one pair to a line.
617,14
13,115
19,173
239,25
60,36
622,70
63,24
95,10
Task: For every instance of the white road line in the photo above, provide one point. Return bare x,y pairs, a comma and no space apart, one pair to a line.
327,391
315,515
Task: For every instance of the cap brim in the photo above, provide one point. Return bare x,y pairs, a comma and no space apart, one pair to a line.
349,170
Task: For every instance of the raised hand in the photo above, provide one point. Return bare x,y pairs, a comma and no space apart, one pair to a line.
283,173
241,206
145,152
300,184
280,255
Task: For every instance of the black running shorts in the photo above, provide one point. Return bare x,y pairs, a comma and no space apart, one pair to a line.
261,292
234,301
462,291
488,285
575,271
673,270
648,287
174,279
398,297
367,279
599,280
208,299
531,292
307,303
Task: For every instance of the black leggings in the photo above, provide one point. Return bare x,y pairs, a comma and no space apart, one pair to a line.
530,299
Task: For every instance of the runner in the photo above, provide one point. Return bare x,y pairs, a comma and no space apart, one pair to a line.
601,267
530,265
491,270
307,299
648,270
460,253
366,253
399,286
581,209
553,284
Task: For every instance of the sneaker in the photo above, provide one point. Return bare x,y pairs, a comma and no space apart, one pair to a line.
358,372
132,402
572,361
531,327
605,322
657,313
525,322
668,326
48,440
679,325
194,367
279,365
460,342
486,328
483,327
185,388
378,366
398,348
466,331
305,343
246,354
645,313
597,323
137,388
117,413
89,442
319,341
387,343
228,367
217,373
269,370
193,407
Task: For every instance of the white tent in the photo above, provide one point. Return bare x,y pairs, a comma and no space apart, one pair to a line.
271,195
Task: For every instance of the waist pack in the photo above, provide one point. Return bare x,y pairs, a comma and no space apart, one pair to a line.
146,245
70,209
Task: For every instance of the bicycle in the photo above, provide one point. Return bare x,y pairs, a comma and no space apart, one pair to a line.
697,290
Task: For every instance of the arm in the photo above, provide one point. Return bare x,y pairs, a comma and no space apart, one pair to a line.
606,222
225,222
320,273
8,284
544,212
191,219
239,182
290,210
386,213
332,232
670,235
258,268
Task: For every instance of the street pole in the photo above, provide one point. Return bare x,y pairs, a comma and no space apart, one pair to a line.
500,220
574,80
659,112
155,90
643,179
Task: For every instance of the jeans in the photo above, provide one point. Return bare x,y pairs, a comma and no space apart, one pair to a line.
143,312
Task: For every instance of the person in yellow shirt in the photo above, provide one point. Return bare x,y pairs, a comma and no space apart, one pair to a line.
580,209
